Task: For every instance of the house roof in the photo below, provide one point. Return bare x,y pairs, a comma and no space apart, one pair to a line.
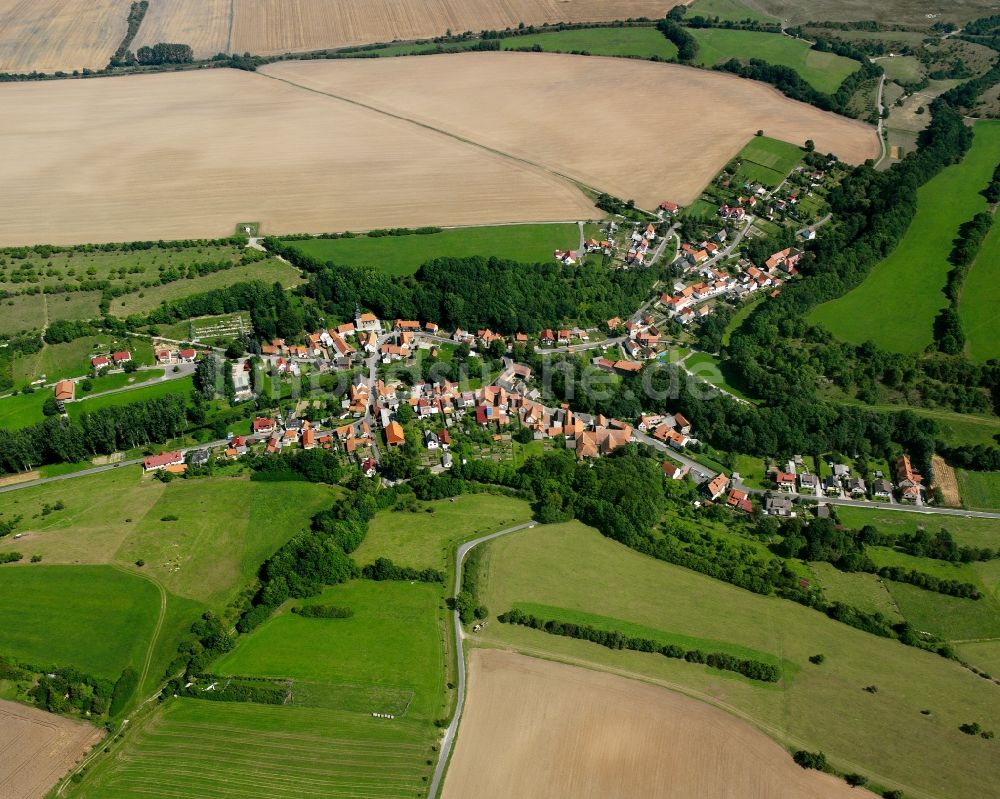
394,434
163,459
65,390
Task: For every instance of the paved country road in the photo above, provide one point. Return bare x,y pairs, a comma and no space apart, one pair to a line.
449,734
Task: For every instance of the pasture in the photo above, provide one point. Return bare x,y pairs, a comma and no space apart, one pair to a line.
883,736
252,148
536,728
194,749
980,299
644,42
29,311
52,35
403,255
38,749
225,527
902,68
428,540
823,71
533,93
979,490
896,304
96,618
865,591
970,532
392,642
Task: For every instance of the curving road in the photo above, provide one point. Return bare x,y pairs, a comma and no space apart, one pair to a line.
449,734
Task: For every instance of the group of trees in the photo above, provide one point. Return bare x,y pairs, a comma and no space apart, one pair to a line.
312,465
60,689
615,639
475,293
99,432
385,569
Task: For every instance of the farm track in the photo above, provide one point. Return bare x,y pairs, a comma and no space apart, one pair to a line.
441,131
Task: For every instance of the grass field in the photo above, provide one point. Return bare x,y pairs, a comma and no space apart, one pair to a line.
980,490
884,736
767,161
642,42
97,618
21,410
896,304
865,591
708,368
980,299
182,386
966,531
392,641
72,358
29,311
193,749
904,68
403,255
823,71
428,540
270,271
225,527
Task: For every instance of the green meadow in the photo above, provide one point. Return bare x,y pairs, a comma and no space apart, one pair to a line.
424,540
883,735
977,307
823,71
193,749
644,42
728,10
392,642
97,618
896,304
979,490
403,255
767,161
969,531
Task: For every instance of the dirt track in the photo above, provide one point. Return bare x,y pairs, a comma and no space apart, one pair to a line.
37,748
638,130
533,728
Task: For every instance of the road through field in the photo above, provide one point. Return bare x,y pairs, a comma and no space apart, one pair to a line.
448,741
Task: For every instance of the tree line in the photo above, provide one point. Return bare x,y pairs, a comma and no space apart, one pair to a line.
948,333
615,639
99,432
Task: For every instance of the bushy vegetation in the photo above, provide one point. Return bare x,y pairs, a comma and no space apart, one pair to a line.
613,639
385,569
323,612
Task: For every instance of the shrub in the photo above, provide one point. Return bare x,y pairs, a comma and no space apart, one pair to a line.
813,760
817,659
123,691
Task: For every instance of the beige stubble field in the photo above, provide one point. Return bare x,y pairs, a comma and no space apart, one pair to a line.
266,27
37,748
535,728
190,154
52,35
638,130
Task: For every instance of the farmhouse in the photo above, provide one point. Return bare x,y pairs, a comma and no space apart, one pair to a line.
100,361
155,463
65,390
122,357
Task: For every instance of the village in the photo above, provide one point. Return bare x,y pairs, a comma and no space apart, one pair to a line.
439,420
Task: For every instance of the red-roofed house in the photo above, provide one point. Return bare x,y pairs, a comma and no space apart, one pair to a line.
124,356
156,462
263,425
99,361
65,390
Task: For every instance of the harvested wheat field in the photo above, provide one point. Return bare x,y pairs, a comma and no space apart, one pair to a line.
534,728
203,24
52,35
37,748
191,154
664,138
278,26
